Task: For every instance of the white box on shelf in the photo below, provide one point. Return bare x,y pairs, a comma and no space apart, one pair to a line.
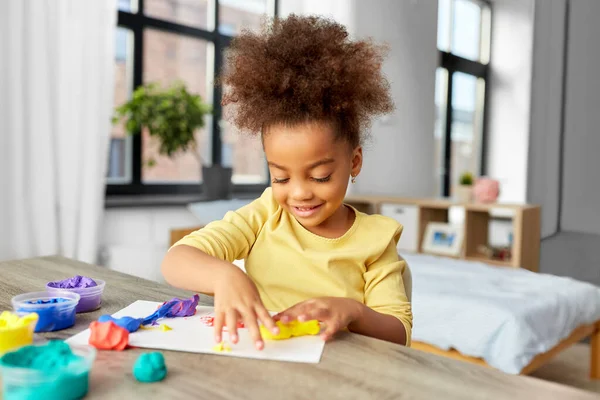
408,216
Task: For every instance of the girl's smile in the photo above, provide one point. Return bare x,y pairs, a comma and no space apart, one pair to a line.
306,211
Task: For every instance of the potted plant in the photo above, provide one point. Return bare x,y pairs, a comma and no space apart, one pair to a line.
172,116
464,190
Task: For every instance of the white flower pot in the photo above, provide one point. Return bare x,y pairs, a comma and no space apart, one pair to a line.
464,193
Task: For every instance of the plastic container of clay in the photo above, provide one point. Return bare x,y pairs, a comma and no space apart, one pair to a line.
90,297
66,382
55,310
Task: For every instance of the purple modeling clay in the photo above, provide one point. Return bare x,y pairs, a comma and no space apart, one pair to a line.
174,308
77,281
129,323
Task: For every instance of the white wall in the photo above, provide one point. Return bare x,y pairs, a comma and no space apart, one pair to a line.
546,104
399,159
135,240
509,102
579,211
581,171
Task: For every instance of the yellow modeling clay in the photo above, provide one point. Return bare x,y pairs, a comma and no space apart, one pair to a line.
221,347
162,327
16,331
292,329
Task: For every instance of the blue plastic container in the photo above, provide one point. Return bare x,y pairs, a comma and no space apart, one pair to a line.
56,310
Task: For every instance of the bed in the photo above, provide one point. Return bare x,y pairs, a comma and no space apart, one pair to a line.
510,319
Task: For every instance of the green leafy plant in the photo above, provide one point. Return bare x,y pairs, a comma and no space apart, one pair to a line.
171,115
466,178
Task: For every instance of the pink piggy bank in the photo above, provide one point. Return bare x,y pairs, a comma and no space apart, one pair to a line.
486,190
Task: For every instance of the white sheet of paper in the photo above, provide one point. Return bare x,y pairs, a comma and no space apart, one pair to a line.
190,334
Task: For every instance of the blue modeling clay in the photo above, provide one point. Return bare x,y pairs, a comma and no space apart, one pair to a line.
49,301
53,313
129,323
169,309
174,308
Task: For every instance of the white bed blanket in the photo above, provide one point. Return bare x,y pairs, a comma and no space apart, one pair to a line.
505,316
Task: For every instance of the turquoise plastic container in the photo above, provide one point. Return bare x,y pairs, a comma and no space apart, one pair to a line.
68,382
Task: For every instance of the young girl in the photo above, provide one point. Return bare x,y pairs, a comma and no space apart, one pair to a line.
309,92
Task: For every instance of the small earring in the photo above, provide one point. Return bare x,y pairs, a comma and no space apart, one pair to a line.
353,178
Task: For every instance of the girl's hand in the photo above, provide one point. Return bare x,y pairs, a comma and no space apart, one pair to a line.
335,313
237,298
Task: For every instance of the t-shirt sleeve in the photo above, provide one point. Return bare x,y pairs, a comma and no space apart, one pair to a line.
384,286
232,237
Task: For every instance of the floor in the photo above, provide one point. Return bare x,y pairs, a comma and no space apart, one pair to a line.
570,367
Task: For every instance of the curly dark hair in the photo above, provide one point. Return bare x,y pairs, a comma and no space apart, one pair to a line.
303,69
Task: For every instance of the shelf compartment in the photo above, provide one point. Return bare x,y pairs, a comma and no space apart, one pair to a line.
429,214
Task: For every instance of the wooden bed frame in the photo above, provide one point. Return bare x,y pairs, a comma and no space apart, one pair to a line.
592,331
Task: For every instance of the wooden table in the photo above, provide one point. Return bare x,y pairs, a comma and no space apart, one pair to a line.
352,366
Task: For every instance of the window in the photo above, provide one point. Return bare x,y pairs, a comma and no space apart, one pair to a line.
164,41
235,15
119,166
460,91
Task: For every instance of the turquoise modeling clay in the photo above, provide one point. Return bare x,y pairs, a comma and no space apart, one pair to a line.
41,380
150,367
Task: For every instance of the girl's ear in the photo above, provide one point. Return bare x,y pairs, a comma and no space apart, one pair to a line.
357,159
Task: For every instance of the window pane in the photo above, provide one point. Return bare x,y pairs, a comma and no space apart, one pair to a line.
441,95
486,28
444,15
196,13
119,164
234,15
244,153
127,5
467,125
169,58
466,29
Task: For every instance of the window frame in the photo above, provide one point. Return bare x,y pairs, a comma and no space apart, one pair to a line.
136,22
453,63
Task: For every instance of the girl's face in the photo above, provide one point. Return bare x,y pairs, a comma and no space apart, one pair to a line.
310,171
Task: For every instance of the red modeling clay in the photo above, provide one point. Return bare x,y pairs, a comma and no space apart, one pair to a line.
108,336
209,320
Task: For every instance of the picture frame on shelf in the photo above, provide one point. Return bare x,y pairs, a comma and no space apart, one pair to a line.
443,239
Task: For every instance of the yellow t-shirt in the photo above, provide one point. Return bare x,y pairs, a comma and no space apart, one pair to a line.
290,264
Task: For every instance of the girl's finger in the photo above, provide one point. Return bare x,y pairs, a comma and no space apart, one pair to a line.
218,326
252,325
311,312
266,319
331,329
292,313
232,319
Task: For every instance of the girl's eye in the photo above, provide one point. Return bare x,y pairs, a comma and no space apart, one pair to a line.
275,180
322,180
